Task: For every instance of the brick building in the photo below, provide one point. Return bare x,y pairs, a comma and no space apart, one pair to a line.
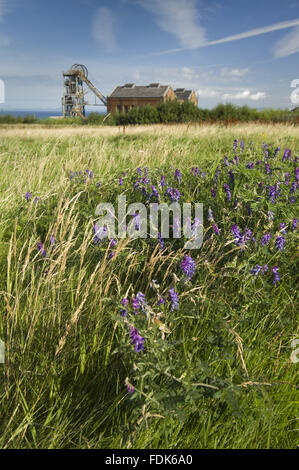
186,95
125,97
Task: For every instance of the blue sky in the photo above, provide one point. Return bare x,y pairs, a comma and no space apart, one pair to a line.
237,51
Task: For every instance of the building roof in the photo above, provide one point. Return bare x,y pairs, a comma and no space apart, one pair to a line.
130,90
183,94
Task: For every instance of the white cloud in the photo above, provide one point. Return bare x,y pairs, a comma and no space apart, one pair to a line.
236,37
177,17
233,74
207,93
103,29
288,45
245,94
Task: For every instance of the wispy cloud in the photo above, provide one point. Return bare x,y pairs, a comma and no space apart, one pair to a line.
287,45
233,74
177,17
207,93
245,95
236,37
103,29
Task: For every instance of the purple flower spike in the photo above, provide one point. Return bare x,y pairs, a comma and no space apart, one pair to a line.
216,229
227,190
161,241
130,388
276,275
174,299
294,224
265,239
28,196
178,175
279,243
188,266
41,248
136,339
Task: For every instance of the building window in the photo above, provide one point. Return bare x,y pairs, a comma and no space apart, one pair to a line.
119,107
126,108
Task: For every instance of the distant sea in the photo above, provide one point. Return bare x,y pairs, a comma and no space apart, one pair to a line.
38,113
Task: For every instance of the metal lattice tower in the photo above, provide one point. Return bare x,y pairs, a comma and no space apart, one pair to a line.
73,100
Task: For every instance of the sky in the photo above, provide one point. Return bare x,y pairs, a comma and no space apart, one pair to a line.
233,51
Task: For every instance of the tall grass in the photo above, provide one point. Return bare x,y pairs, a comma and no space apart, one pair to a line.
214,374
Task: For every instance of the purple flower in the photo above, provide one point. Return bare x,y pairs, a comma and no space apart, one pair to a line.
231,177
188,266
276,275
139,171
287,154
294,224
35,200
268,168
178,175
111,254
135,305
287,178
226,163
293,187
141,298
227,190
136,340
272,193
236,159
235,145
173,193
99,233
265,239
130,388
250,165
162,181
161,301
41,248
216,229
279,243
174,298
282,228
239,238
213,192
216,174
124,311
120,180
154,192
52,240
259,269
28,196
137,220
161,241
112,243
276,151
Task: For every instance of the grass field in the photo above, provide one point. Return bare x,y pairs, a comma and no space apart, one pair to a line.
216,369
